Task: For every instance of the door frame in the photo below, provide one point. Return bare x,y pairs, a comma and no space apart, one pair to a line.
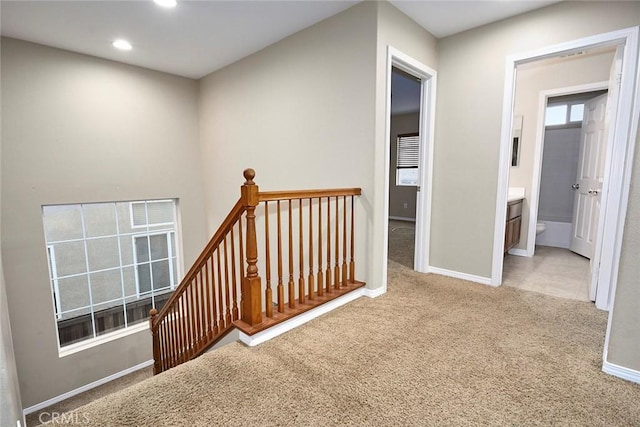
538,156
428,79
625,133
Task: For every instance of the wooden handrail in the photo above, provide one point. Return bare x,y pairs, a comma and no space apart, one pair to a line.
217,238
268,196
204,306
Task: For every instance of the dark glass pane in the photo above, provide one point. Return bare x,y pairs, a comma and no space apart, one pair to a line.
75,330
161,278
159,248
142,248
144,278
109,317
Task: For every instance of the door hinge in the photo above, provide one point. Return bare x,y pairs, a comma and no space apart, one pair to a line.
418,187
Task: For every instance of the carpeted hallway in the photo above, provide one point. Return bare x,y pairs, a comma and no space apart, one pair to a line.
432,351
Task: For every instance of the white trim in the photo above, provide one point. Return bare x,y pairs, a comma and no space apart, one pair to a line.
519,252
463,276
281,328
621,372
402,218
75,392
396,58
625,128
534,198
101,339
374,293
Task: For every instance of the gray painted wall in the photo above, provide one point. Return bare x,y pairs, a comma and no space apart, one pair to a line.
559,169
81,129
399,195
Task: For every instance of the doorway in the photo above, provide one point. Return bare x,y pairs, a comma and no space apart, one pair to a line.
426,77
404,166
618,159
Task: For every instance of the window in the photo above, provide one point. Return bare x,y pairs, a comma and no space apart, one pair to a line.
564,114
109,264
407,160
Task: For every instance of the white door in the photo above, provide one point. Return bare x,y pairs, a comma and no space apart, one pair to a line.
588,186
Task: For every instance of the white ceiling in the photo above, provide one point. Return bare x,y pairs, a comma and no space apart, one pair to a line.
198,37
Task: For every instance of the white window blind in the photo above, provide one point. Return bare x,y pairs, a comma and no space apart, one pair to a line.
408,159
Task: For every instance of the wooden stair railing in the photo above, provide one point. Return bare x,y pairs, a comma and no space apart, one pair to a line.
205,306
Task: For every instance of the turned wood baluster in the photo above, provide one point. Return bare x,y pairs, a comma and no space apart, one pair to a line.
185,330
197,310
328,272
241,264
344,240
162,333
189,318
301,290
292,300
214,303
280,287
227,284
352,264
220,291
336,270
175,355
320,278
207,299
234,284
252,308
311,280
156,341
268,297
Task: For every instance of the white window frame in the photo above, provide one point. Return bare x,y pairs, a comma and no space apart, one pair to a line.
96,339
567,118
136,263
146,202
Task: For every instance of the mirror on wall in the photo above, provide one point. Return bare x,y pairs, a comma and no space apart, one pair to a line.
516,140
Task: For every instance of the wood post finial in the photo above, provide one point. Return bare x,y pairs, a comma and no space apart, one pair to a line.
153,312
249,174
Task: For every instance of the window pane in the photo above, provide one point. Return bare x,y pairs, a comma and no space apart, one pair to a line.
103,253
142,248
109,317
556,115
407,177
69,258
75,329
74,294
160,212
62,222
99,219
138,214
106,286
129,281
159,248
161,278
144,278
577,112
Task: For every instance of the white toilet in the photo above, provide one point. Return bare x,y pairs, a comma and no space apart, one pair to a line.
540,227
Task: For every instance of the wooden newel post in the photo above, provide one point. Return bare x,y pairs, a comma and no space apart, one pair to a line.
156,342
252,284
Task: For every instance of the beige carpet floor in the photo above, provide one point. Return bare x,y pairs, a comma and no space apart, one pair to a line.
431,351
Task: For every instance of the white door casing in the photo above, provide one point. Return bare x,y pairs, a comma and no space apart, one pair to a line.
589,179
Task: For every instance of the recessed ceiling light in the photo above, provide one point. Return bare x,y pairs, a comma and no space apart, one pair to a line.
166,3
122,44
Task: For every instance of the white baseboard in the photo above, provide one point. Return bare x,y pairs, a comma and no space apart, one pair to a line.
403,218
458,275
621,372
519,252
374,293
281,328
64,396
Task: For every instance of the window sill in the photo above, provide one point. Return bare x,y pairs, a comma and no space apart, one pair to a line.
102,339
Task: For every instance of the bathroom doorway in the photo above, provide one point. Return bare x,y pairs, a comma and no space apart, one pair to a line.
562,170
